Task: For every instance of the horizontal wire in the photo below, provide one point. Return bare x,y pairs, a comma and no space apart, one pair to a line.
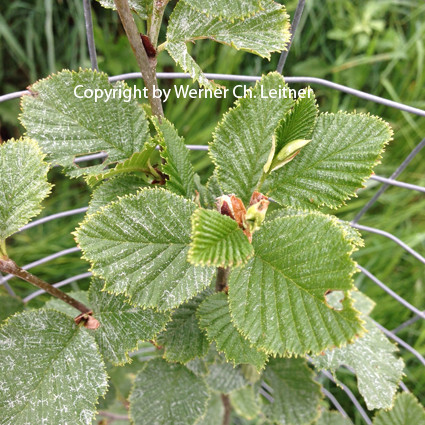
392,237
398,184
407,323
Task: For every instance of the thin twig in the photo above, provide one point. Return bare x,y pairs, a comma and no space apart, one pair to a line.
227,409
147,66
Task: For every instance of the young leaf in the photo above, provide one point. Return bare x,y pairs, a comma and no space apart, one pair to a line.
139,245
406,411
23,179
109,191
243,140
332,418
167,393
278,299
142,7
122,326
66,126
296,396
177,163
329,170
223,9
246,402
214,317
299,122
217,240
183,340
50,370
9,306
265,32
215,411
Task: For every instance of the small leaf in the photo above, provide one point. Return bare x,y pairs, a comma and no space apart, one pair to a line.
139,245
142,7
167,393
339,159
215,411
111,189
332,418
46,362
278,299
183,340
66,126
9,306
264,33
177,165
214,317
243,140
296,395
288,153
406,411
223,9
246,402
23,179
217,240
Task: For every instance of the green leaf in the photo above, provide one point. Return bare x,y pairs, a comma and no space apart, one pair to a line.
243,140
332,418
406,411
50,370
111,189
213,190
141,7
217,240
214,317
371,356
122,326
9,306
215,411
63,307
223,9
296,395
183,340
246,402
177,163
262,34
166,393
299,122
329,170
139,245
278,299
23,183
66,127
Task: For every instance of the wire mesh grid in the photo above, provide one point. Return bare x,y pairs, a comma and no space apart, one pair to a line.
385,184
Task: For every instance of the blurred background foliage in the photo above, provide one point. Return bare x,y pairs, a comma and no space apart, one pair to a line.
372,45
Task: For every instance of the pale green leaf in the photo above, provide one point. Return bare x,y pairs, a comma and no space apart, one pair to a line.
278,299
122,326
339,159
217,240
214,317
50,371
63,307
111,189
299,122
262,34
23,184
167,393
139,245
67,127
362,302
243,139
183,340
372,358
9,306
246,402
225,9
296,395
141,7
177,165
406,411
332,418
213,191
214,413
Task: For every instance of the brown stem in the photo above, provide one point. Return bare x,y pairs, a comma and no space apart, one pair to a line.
221,280
9,266
146,65
156,20
227,409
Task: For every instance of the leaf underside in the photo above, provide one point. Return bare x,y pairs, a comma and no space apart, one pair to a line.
332,418
236,9
214,413
246,402
141,7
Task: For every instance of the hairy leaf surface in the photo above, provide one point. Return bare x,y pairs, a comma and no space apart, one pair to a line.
50,370
224,377
167,393
214,317
243,139
339,159
139,245
235,9
296,395
66,127
23,184
332,418
246,402
215,411
141,7
278,299
406,411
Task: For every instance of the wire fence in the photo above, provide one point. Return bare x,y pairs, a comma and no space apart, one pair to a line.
384,181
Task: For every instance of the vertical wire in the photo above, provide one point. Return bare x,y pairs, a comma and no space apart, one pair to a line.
90,35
